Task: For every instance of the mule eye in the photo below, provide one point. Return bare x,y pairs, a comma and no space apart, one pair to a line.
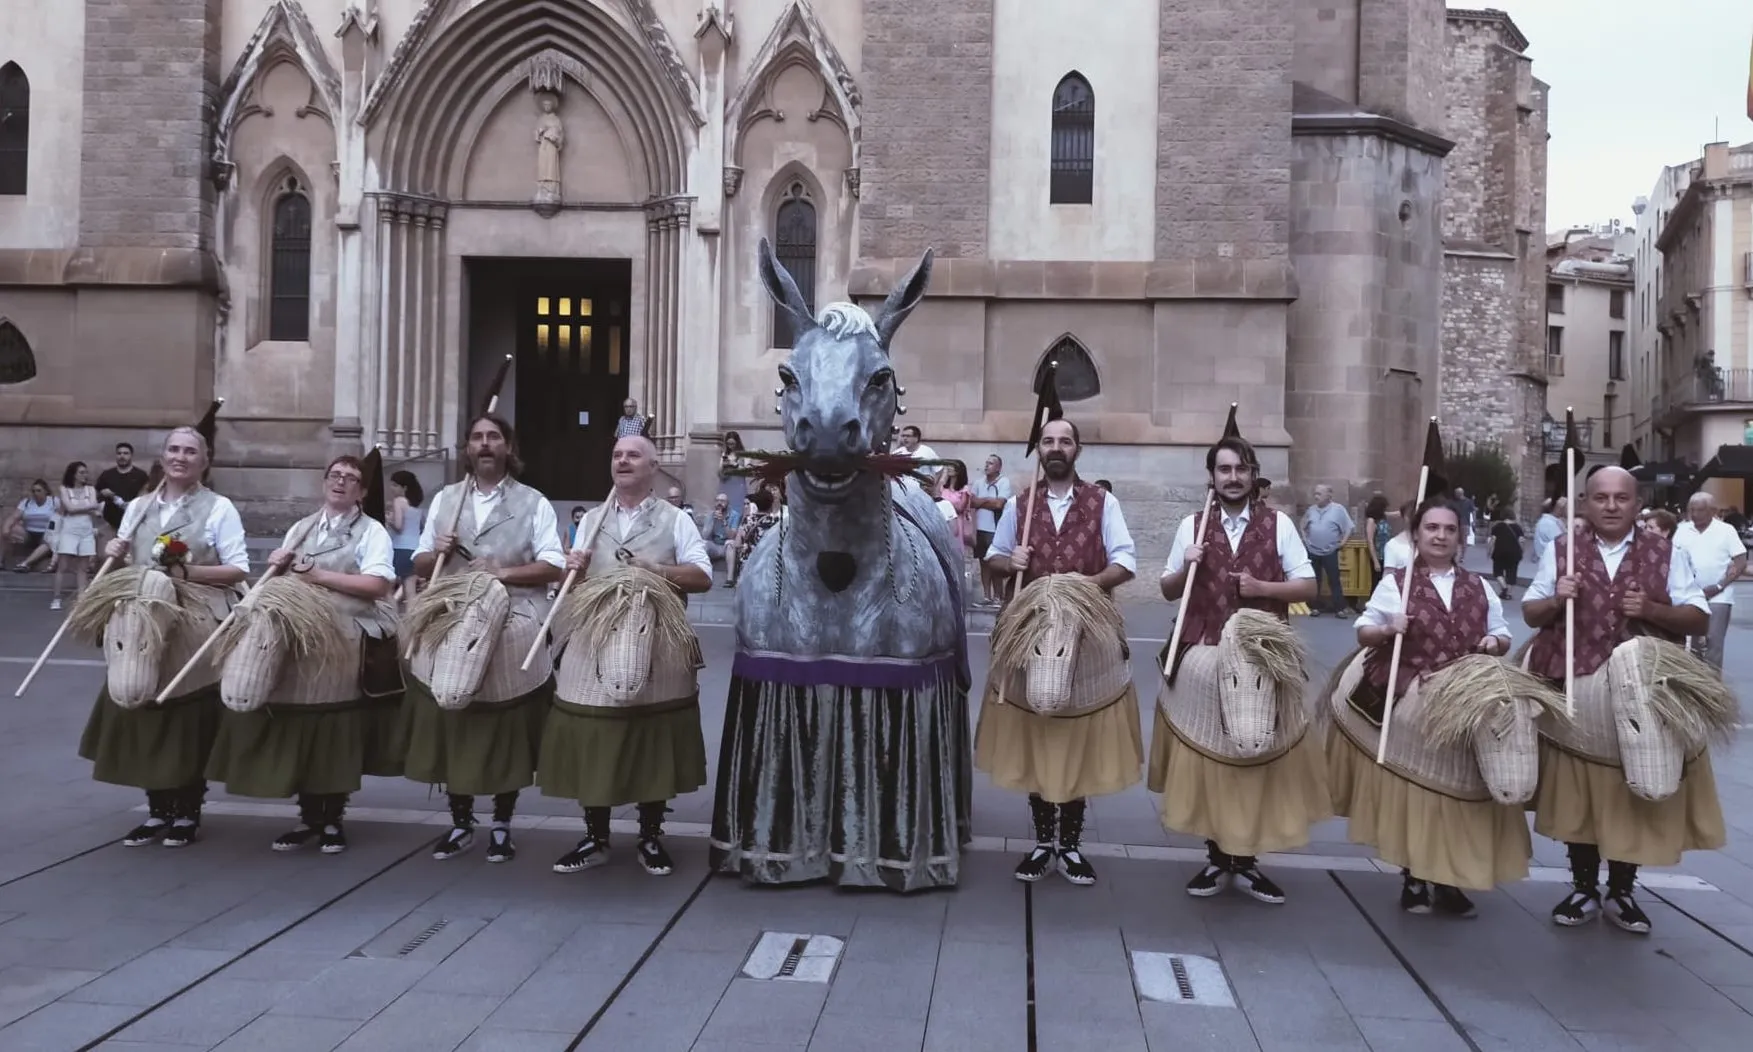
787,377
882,378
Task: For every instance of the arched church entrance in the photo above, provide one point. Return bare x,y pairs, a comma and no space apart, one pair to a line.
534,170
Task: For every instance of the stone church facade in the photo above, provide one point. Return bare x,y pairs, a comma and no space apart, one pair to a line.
342,215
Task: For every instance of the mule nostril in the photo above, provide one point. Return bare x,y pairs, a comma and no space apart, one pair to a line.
851,432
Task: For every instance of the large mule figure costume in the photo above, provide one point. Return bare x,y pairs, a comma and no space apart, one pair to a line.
310,678
151,620
845,752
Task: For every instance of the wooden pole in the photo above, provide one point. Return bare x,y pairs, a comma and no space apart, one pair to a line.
201,652
1400,639
1570,571
108,565
1187,588
566,586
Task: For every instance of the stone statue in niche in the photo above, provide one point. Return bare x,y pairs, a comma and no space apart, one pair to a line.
550,140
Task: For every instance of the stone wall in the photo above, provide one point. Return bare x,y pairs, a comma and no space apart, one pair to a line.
927,127
1401,60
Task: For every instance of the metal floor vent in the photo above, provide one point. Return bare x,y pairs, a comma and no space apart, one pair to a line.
422,935
789,957
1181,979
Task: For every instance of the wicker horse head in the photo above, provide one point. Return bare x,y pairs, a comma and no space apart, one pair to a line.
1492,708
458,621
286,618
134,611
627,641
1260,662
1667,707
1067,639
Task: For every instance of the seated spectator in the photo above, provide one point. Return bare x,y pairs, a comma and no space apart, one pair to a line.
28,526
766,516
718,529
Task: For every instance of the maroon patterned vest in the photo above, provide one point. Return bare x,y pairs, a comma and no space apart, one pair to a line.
1599,624
1075,546
1215,596
1435,634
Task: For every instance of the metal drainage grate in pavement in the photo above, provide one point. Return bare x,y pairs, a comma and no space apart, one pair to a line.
421,936
789,957
1181,979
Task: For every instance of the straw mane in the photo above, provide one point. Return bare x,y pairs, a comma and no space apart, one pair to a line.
1064,597
92,611
1688,695
299,615
440,608
1271,644
1468,693
596,607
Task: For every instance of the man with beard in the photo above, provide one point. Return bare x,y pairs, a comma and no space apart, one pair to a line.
490,745
1061,761
1249,557
1627,582
119,485
647,754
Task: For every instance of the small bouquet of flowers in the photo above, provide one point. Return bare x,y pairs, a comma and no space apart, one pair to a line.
168,551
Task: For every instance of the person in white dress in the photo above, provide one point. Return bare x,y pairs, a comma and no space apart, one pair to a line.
76,533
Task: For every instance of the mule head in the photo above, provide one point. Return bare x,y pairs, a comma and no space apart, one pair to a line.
135,639
459,662
838,396
1506,744
1259,667
253,666
1651,753
1052,663
623,664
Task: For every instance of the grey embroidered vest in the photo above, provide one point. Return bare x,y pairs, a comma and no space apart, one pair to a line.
337,552
502,540
185,521
650,534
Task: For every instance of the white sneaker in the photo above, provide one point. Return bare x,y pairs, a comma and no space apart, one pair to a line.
55,603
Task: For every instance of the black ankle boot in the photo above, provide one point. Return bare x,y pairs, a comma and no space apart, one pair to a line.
312,816
652,856
461,834
1584,900
186,826
334,839
499,845
593,850
160,809
1621,908
1072,865
1040,859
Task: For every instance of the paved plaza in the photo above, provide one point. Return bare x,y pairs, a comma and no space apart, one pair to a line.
229,945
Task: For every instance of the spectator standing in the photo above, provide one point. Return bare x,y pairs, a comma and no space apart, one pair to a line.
630,423
76,532
1469,511
405,519
1506,551
1326,527
1550,527
988,496
1718,559
767,508
1377,532
31,523
118,485
735,487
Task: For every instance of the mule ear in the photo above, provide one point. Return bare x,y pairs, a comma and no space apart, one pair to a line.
783,288
905,297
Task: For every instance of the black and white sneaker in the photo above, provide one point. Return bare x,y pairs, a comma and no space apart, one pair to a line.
334,841
589,852
1208,882
295,839
182,833
1415,896
499,845
1579,907
1035,866
1451,902
1075,868
453,843
1255,883
654,858
1623,910
146,832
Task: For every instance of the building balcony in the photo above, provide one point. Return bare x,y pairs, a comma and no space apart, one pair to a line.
1706,389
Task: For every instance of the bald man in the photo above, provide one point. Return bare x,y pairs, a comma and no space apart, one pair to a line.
606,757
1718,559
1627,582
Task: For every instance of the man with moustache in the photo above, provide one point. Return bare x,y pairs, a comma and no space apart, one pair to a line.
1628,582
1249,556
489,746
606,757
1061,761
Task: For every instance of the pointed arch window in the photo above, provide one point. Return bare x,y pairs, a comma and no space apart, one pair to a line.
14,130
289,273
17,363
794,242
1077,378
1074,142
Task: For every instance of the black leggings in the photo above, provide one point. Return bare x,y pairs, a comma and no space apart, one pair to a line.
1506,567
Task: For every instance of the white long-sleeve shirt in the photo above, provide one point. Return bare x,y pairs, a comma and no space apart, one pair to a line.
1116,538
1683,589
1384,604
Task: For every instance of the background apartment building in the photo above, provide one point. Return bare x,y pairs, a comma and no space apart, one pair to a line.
1589,294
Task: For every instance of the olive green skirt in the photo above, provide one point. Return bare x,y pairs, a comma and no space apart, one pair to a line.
282,750
479,750
605,757
155,746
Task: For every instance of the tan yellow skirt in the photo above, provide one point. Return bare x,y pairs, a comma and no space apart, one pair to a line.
1462,843
1246,810
1060,758
1580,802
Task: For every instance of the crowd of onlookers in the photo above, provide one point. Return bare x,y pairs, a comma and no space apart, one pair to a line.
59,528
